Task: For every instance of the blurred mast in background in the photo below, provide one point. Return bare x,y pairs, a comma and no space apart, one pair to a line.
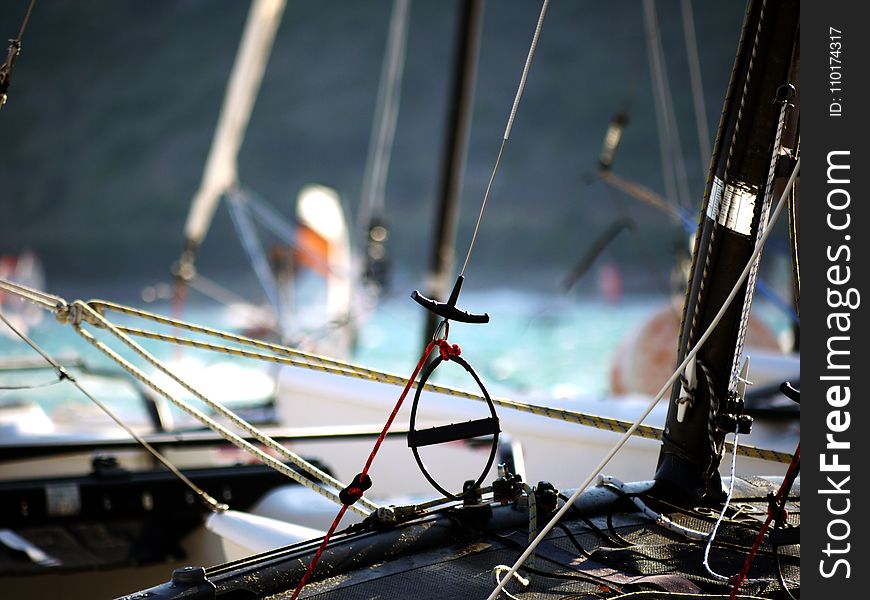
438,279
372,226
221,171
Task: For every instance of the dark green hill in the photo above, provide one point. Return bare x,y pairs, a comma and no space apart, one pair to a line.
113,104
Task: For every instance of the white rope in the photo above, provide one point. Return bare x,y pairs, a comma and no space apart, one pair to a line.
507,131
673,378
282,355
323,478
765,208
46,300
499,569
721,517
659,518
719,520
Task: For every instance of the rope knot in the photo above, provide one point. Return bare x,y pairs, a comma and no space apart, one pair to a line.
448,350
69,313
688,392
355,489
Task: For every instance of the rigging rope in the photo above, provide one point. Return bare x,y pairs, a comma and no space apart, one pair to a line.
12,54
63,374
324,364
661,519
507,131
354,492
89,314
726,172
31,386
673,165
79,312
348,370
40,298
667,386
765,209
721,516
781,497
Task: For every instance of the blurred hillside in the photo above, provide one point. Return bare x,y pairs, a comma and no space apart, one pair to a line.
113,105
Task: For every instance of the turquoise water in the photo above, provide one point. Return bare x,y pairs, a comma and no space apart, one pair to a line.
561,347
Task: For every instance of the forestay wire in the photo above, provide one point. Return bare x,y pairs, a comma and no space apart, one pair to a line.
507,132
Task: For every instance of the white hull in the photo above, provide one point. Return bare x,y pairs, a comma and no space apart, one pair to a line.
556,451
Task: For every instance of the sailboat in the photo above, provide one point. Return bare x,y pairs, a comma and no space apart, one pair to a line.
463,543
687,533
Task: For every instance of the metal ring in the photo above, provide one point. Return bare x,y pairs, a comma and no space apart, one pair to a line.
427,372
445,324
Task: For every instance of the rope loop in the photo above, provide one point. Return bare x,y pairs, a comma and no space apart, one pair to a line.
438,435
499,570
355,489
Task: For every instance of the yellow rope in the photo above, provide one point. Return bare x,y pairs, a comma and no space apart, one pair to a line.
297,358
100,305
350,370
45,300
206,498
94,317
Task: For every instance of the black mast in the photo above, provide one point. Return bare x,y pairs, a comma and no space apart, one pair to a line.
439,278
691,448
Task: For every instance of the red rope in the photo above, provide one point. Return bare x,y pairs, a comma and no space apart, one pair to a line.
789,476
362,481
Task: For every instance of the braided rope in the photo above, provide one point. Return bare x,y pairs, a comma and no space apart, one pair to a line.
349,370
712,426
762,225
322,477
43,299
304,360
670,382
707,258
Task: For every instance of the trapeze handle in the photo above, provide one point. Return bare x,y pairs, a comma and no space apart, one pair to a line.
448,309
453,433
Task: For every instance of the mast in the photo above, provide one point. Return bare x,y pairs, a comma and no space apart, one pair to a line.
438,281
221,173
733,214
